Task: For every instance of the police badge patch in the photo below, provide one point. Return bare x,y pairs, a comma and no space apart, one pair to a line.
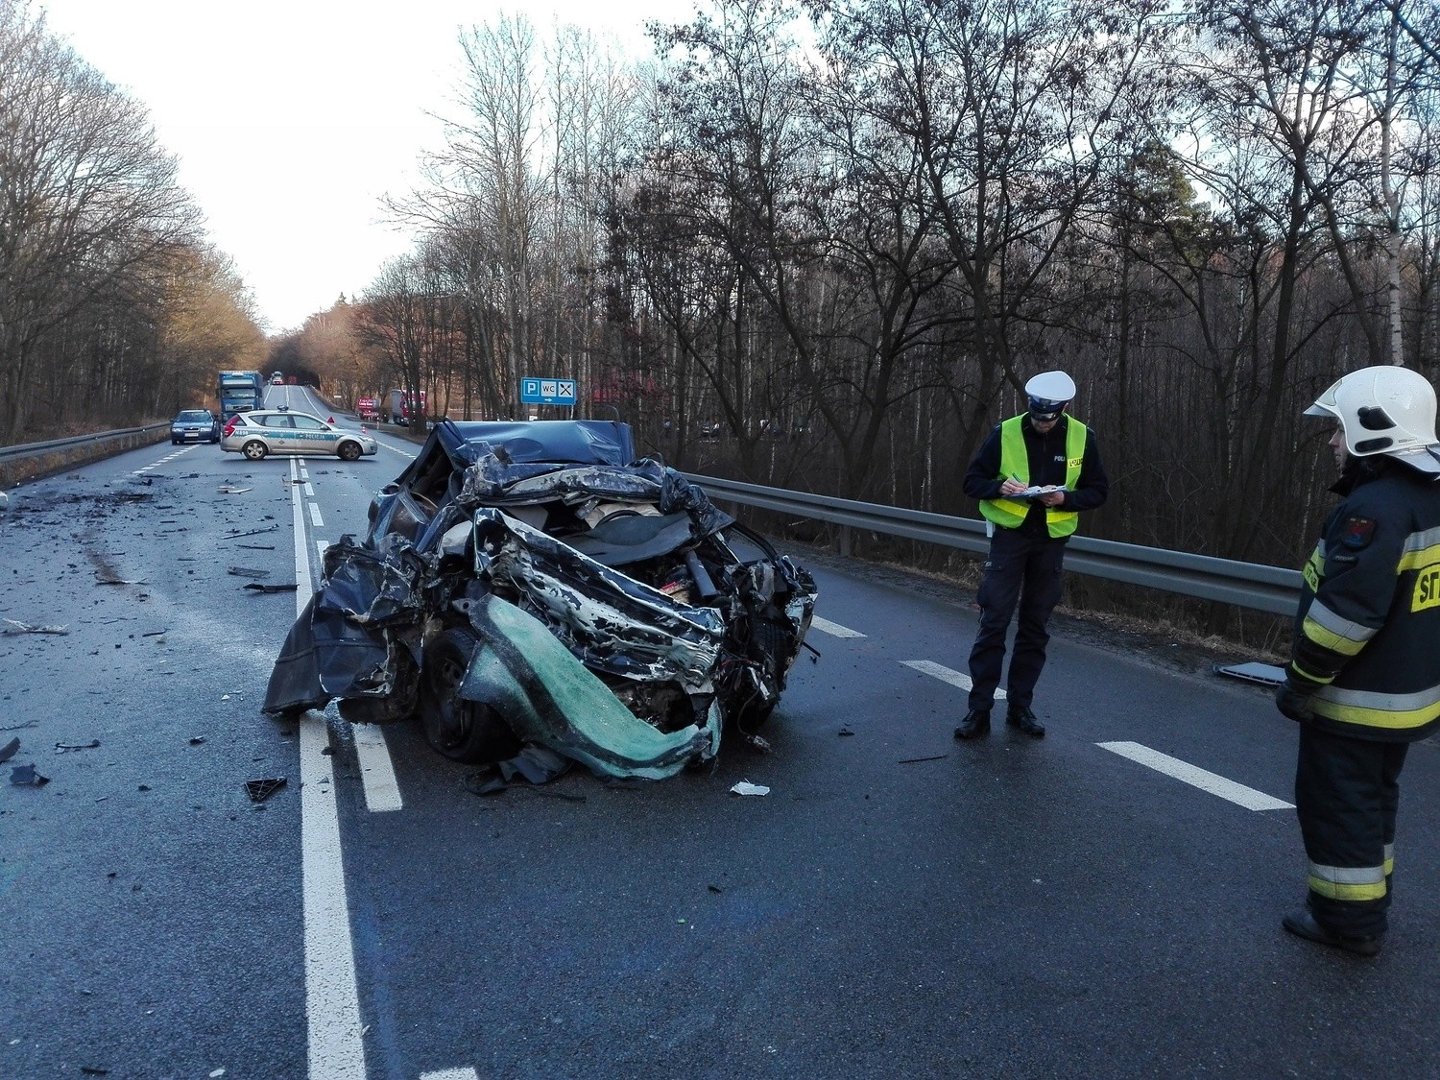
1357,532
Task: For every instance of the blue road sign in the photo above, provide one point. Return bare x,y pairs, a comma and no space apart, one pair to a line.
547,391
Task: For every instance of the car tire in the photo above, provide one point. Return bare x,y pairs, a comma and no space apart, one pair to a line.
254,450
174,442
461,730
349,451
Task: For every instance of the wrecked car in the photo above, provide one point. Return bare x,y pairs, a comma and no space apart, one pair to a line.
530,584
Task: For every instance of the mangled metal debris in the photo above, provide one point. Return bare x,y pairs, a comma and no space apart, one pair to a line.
532,585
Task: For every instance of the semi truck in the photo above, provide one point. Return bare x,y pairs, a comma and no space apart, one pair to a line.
239,391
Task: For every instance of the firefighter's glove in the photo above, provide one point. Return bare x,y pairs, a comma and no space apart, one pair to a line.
1295,697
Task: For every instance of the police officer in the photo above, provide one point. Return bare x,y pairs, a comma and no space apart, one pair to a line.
1364,680
1043,449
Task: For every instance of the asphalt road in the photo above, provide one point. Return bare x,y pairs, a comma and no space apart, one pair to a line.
898,905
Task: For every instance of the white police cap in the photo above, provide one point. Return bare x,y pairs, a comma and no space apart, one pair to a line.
1049,392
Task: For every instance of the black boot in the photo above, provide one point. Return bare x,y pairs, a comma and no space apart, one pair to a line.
975,724
1023,719
1302,924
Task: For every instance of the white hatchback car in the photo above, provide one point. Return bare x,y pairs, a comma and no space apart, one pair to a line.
280,431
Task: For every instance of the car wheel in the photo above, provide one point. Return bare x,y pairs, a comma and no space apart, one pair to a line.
349,451
461,730
174,442
254,450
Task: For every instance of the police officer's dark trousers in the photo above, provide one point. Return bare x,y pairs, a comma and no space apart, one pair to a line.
1023,566
1346,794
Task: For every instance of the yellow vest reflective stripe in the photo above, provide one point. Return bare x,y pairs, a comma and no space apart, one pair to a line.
1009,513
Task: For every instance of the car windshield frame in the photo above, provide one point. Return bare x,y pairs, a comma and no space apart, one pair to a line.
194,416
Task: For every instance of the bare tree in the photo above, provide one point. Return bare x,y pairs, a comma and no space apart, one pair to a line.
88,200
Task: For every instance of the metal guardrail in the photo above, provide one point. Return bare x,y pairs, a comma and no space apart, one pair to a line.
1272,589
1256,586
98,438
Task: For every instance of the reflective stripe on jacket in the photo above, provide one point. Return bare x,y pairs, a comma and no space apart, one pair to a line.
1015,462
1368,627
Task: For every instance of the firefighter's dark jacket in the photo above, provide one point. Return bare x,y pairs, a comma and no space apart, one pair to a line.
1046,455
1367,635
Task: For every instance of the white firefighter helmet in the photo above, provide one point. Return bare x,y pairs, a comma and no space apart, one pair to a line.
1049,393
1384,410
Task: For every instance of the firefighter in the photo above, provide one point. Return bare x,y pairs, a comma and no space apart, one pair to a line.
1033,475
1364,678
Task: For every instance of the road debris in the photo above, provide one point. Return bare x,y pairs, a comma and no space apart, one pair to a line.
26,776
62,748
14,626
260,790
8,750
112,580
252,532
914,760
259,587
228,490
744,787
248,572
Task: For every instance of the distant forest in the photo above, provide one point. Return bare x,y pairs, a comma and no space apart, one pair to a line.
823,245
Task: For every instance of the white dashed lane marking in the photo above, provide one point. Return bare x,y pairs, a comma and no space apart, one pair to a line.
825,626
949,675
1195,776
166,459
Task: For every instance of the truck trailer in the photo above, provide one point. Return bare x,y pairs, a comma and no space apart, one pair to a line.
398,407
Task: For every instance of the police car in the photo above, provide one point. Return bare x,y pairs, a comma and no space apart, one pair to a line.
281,431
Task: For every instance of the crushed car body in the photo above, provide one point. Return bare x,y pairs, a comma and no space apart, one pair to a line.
530,584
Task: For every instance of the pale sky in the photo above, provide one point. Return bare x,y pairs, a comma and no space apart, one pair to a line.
292,118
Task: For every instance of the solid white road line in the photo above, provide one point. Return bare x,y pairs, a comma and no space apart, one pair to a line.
1239,794
944,674
834,629
377,771
335,1046
466,1073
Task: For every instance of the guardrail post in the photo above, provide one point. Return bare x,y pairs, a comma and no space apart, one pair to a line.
845,544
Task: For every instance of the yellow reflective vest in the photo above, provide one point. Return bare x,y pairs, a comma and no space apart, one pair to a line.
1014,461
